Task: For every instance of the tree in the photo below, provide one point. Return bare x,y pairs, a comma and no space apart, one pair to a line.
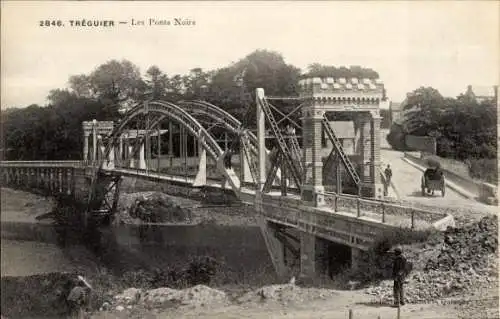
81,86
196,83
233,87
58,96
116,84
396,137
423,107
355,71
156,82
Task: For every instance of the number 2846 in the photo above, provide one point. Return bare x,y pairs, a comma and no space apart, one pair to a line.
51,23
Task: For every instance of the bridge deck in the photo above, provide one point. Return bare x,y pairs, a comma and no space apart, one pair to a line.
248,195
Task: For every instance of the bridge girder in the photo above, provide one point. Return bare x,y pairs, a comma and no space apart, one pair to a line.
164,110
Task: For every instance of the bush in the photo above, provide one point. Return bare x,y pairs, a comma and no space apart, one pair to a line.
396,137
485,169
200,270
376,263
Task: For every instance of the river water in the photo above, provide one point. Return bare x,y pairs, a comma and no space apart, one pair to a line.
30,247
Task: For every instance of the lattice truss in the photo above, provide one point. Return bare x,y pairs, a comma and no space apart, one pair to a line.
209,124
287,155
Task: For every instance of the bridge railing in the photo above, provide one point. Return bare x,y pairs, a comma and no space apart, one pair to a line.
366,207
33,164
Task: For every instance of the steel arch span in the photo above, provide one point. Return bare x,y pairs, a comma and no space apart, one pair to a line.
163,110
202,109
196,107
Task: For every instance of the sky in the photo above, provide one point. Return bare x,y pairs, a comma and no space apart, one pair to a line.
444,44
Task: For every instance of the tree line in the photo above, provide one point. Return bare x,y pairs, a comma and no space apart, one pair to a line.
464,128
54,131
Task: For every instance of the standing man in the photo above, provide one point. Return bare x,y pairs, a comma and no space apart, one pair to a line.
78,297
399,272
388,176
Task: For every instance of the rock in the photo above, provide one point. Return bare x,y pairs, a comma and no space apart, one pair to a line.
157,297
465,260
129,296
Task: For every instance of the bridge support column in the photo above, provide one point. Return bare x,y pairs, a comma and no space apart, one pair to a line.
131,157
201,176
246,175
94,140
312,186
261,141
142,160
102,150
376,158
274,246
110,163
355,257
307,256
170,143
120,151
86,146
369,128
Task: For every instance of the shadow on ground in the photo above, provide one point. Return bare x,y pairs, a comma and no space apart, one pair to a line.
418,193
375,304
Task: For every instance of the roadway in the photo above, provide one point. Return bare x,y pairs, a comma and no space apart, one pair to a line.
406,181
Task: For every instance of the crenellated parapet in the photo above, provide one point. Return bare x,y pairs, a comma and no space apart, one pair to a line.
102,127
343,94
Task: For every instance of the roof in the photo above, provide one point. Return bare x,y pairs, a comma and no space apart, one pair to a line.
343,129
483,91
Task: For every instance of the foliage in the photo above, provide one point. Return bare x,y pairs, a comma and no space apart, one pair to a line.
199,270
396,137
464,129
484,169
52,132
355,71
376,263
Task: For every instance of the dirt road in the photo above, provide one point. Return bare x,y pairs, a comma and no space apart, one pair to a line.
335,307
406,179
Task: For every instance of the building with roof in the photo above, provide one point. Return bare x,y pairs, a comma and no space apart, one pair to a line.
345,133
482,93
396,111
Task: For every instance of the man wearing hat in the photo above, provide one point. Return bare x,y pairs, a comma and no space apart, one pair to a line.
399,272
78,297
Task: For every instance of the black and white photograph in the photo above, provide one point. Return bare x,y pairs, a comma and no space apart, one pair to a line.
249,159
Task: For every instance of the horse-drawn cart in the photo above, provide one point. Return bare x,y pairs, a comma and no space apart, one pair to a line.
433,179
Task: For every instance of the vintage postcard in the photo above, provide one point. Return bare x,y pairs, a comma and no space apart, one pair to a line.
249,159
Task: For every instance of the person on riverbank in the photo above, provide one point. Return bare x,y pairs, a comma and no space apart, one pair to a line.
78,298
400,270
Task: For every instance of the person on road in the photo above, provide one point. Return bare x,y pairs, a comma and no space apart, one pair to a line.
388,173
388,176
399,272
